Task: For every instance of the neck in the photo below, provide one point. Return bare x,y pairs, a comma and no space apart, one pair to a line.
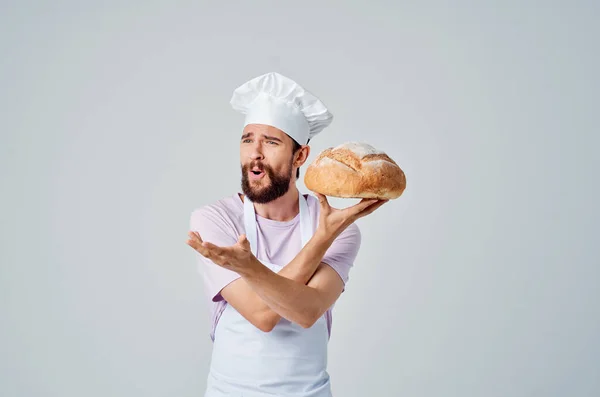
283,209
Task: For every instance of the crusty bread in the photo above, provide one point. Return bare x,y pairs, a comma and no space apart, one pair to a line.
355,170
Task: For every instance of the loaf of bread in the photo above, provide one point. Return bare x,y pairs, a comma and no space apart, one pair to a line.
355,170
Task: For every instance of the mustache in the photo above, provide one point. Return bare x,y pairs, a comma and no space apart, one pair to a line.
257,164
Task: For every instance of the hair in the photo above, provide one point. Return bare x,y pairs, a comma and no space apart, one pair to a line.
297,147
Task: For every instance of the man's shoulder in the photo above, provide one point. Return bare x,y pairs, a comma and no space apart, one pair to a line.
227,209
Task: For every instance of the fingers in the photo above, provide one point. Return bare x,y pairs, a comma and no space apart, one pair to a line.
370,209
213,249
219,255
243,242
323,200
205,248
194,240
361,206
194,236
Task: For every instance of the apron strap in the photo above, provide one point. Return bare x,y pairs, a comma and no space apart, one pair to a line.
250,223
305,221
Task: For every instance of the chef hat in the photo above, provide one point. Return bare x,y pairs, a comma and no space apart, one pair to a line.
278,101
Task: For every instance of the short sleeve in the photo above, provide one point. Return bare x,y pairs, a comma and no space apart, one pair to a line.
343,251
214,228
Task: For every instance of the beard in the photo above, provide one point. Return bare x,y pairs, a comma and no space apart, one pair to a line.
278,185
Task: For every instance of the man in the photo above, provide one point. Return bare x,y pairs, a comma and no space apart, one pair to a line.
274,261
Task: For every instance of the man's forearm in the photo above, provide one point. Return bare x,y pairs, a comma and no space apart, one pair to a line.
285,297
305,263
299,271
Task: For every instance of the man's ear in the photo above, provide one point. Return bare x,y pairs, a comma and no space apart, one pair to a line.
301,156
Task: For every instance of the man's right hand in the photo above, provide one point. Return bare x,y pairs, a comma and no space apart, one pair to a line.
333,221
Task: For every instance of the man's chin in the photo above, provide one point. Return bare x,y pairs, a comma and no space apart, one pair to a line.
257,192
259,186
256,188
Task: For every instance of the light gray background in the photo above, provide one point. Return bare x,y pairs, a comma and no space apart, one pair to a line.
481,280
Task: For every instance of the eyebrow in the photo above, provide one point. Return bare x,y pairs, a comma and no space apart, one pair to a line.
271,138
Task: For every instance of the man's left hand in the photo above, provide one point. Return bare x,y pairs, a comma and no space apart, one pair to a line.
237,257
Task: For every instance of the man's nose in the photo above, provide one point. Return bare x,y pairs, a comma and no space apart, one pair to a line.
256,152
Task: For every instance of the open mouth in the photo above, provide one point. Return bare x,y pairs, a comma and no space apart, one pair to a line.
256,173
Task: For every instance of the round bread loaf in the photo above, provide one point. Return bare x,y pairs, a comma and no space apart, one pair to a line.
355,170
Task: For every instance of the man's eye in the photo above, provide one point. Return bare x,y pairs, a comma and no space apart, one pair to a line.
273,142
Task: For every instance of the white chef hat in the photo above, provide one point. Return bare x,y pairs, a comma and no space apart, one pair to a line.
278,101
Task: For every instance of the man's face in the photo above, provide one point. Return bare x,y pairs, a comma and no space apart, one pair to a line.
266,156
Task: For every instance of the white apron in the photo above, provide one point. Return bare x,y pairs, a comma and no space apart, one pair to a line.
288,361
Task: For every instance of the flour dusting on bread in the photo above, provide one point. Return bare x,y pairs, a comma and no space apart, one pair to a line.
359,148
379,163
327,161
